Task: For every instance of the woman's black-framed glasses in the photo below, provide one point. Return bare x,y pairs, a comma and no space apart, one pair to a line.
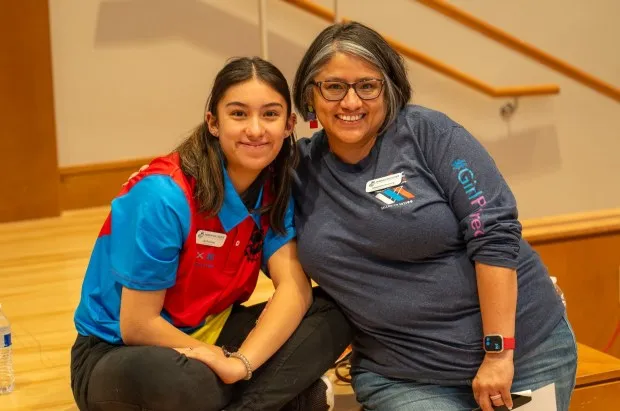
367,89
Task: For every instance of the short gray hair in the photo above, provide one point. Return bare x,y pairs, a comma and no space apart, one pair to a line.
360,41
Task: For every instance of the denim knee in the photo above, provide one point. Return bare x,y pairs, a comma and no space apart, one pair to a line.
553,361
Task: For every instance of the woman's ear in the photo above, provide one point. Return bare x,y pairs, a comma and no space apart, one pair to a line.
212,124
291,123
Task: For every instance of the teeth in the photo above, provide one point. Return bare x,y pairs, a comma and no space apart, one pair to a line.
351,118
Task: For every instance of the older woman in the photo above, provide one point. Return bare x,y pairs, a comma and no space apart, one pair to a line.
405,220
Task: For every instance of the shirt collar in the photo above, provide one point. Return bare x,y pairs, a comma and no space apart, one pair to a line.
233,211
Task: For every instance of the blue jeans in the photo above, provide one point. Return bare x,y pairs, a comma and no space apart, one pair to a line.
553,361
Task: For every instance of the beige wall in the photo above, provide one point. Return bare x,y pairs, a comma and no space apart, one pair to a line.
131,77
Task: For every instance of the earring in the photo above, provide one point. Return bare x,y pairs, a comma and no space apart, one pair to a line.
312,118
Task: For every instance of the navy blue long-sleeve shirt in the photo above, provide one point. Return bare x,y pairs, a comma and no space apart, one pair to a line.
393,239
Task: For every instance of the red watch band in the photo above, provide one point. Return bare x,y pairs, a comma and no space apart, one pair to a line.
496,343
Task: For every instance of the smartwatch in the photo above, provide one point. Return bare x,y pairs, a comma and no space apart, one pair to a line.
496,343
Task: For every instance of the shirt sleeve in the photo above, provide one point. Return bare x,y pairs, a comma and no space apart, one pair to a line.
273,241
477,193
149,226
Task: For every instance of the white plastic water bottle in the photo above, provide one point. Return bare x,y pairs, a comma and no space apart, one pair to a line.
554,280
7,377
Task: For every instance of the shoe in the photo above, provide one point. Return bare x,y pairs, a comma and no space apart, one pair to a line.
317,397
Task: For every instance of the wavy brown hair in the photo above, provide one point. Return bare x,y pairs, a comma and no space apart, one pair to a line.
202,157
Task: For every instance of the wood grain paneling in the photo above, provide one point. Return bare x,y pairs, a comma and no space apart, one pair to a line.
562,228
587,270
27,127
95,185
598,397
581,250
596,367
598,381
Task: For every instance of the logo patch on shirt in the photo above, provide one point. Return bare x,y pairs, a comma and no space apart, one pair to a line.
390,194
255,245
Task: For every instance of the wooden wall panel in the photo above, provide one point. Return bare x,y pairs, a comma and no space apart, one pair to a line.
29,176
583,252
598,381
599,397
588,273
95,185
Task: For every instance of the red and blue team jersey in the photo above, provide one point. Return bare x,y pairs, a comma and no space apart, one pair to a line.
154,238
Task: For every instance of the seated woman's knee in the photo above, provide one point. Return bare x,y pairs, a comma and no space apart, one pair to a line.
156,378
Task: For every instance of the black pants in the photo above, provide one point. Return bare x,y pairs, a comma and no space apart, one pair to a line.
107,377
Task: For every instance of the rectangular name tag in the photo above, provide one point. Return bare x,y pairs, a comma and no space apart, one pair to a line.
384,182
210,238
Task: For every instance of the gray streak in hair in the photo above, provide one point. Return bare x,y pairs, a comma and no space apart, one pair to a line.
358,41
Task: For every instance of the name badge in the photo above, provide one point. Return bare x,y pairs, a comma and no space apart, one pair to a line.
384,182
210,238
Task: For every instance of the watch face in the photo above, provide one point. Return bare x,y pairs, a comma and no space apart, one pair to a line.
493,343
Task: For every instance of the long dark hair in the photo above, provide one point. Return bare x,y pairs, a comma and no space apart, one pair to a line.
201,155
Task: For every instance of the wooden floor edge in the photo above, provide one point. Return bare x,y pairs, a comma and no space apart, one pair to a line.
594,382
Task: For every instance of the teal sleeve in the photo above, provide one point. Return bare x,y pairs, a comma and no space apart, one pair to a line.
273,241
149,226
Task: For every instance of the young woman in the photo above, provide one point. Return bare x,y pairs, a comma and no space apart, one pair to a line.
160,325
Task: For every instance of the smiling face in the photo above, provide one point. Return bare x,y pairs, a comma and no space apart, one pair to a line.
351,123
251,123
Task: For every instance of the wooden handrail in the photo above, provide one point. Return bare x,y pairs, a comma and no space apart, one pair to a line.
512,91
522,47
315,9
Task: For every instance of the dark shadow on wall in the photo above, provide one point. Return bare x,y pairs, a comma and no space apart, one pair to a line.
526,153
194,22
522,154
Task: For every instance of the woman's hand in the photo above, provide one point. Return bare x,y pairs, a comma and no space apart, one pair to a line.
493,381
230,370
135,173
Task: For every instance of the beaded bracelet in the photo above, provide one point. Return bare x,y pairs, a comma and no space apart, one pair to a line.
236,354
